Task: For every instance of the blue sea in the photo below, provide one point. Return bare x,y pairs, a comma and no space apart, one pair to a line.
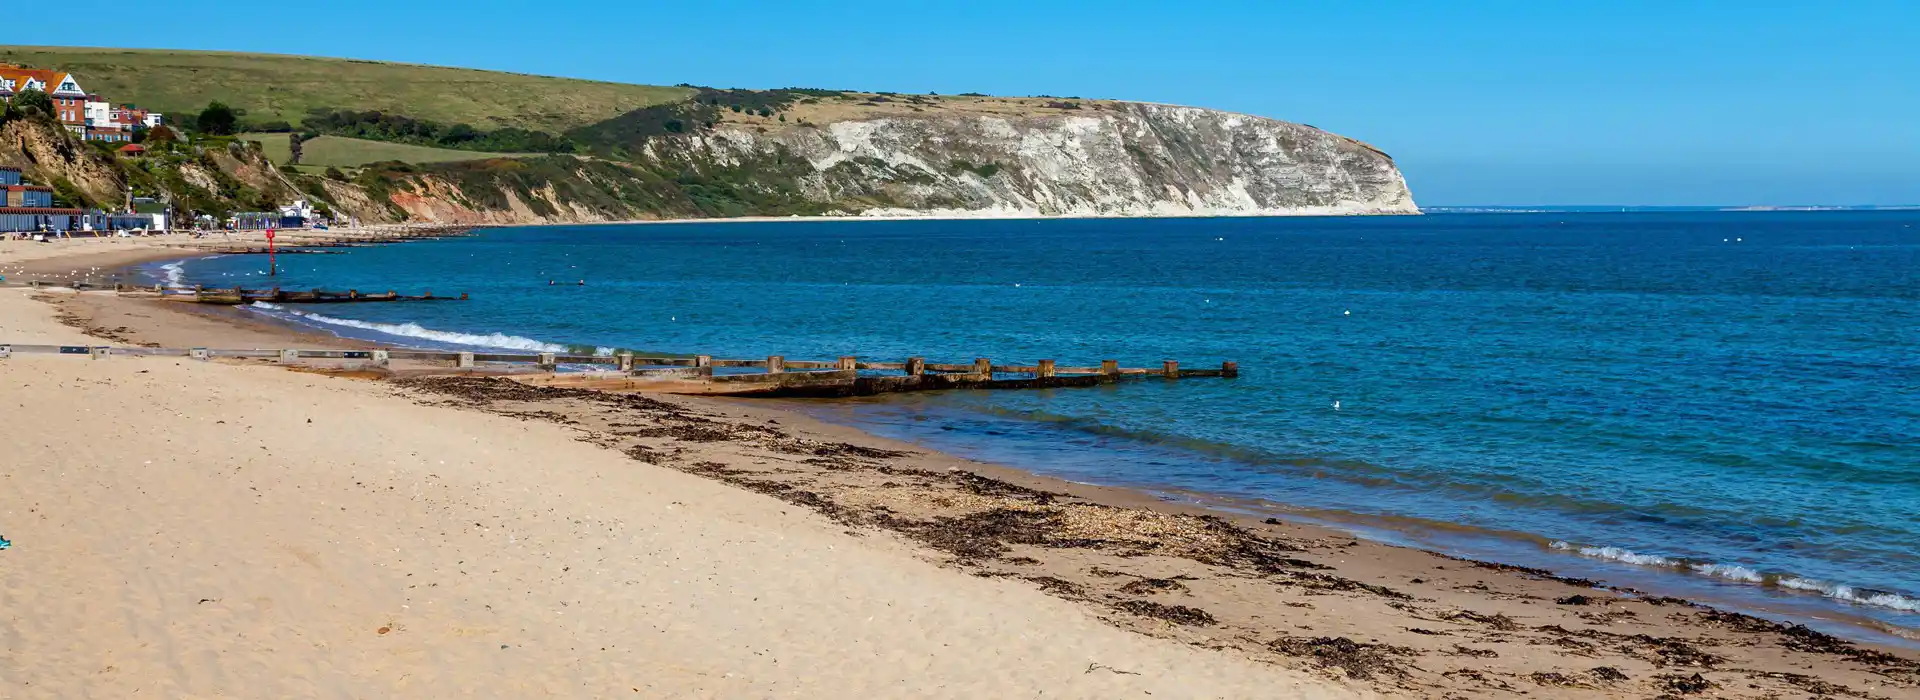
1721,405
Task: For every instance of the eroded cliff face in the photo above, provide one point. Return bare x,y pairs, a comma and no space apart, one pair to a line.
1120,159
1130,159
49,155
1106,159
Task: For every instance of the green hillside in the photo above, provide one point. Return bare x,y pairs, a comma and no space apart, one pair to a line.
275,87
346,152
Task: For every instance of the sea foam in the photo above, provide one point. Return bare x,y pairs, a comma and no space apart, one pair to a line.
1742,574
415,330
176,276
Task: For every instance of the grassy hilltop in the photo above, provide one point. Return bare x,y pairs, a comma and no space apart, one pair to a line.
277,87
397,142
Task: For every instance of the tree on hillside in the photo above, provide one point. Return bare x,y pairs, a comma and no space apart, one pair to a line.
293,148
33,98
218,119
160,135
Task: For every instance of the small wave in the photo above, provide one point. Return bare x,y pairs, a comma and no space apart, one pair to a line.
1617,554
176,276
1862,596
1735,572
415,330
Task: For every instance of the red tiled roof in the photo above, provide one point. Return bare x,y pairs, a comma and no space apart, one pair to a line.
19,75
29,188
37,210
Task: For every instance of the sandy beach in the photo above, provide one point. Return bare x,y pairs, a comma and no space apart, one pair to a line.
188,529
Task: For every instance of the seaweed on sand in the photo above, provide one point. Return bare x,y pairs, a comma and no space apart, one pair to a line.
1177,614
1358,659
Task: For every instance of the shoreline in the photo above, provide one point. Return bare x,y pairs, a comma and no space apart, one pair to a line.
1495,592
1822,611
228,529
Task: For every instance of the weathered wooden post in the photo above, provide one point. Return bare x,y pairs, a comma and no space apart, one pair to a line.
200,354
465,361
382,358
626,361
983,367
548,362
288,357
1045,371
1229,369
776,364
916,366
1170,368
1109,367
848,363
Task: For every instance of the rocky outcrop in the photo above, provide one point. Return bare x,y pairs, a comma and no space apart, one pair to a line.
48,154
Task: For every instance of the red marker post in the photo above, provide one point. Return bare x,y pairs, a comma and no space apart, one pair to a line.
272,268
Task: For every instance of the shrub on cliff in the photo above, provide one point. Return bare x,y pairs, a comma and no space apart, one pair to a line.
31,99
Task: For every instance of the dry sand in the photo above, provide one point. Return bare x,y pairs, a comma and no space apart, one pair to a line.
181,529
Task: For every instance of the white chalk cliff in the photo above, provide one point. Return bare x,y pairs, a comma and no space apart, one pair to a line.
1130,159
1097,159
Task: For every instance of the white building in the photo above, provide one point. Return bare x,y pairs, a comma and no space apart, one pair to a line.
300,208
99,112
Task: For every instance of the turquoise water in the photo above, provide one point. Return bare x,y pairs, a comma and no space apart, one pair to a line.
1727,403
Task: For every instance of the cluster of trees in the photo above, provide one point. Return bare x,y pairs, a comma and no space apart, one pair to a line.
218,119
379,126
629,132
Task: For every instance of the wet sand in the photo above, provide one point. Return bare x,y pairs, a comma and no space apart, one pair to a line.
1209,598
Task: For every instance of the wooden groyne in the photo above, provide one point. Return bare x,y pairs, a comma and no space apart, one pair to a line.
774,376
237,296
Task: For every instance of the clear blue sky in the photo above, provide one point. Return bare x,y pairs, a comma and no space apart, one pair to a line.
1623,102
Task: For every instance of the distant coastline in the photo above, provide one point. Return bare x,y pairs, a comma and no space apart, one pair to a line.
1636,209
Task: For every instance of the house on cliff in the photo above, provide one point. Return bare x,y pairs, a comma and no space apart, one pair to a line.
69,100
90,116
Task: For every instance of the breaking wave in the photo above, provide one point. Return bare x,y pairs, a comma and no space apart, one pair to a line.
415,330
175,276
1734,572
